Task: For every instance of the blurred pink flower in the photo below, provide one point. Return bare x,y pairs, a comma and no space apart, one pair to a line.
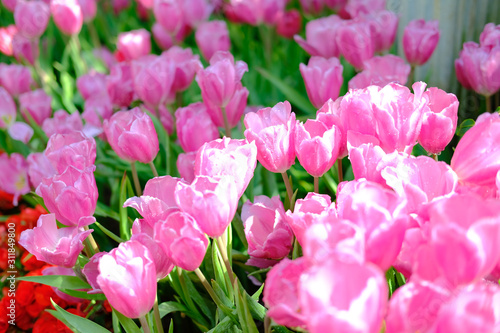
212,36
323,79
321,38
37,103
14,175
380,71
134,44
31,18
62,123
420,39
67,16
71,149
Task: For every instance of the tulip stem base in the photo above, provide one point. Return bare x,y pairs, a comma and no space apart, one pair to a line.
137,185
90,244
157,316
340,172
153,169
316,185
144,324
435,157
227,128
223,251
289,190
411,76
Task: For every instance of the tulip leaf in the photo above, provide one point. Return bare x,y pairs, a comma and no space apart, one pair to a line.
257,310
280,329
292,95
169,307
106,211
218,290
76,323
116,323
219,268
108,233
171,326
464,127
124,224
84,294
58,281
225,326
245,317
257,294
237,224
128,324
198,299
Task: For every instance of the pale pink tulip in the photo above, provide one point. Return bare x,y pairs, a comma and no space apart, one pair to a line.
8,109
185,165
381,71
186,66
37,103
420,39
169,14
91,84
39,167
67,16
323,79
256,12
161,36
14,175
134,44
211,37
20,131
194,126
384,26
25,49
120,85
234,109
31,18
196,11
73,148
355,8
62,123
89,9
16,79
355,42
91,272
153,78
321,37
490,35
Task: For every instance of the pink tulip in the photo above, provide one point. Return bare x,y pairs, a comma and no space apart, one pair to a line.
281,293
415,237
321,37
185,165
16,79
355,8
120,85
234,109
384,25
212,202
37,103
266,230
317,146
55,246
119,5
132,135
323,79
166,119
71,195
20,131
186,66
97,109
62,123
330,114
211,37
194,126
343,297
256,12
309,211
143,233
289,23
6,35
490,35
169,14
381,213
420,39
478,68
8,109
105,55
381,71
71,149
161,36
39,167
89,9
14,175
134,44
273,130
67,16
31,18
219,81
354,39
476,157
312,6
439,122
228,157
196,11
10,4
25,49
153,78
127,276
91,272
182,240
91,84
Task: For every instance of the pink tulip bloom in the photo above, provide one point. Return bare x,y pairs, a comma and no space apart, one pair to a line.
71,149
281,293
414,238
196,11
266,230
39,167
132,135
127,277
16,79
381,71
194,126
91,84
420,39
490,35
212,202
134,44
120,85
105,55
323,79
89,9
120,5
185,165
228,157
143,233
91,272
8,109
186,66
10,4
62,123
312,6
384,25
14,175
354,39
273,131
330,114
212,36
55,246
219,81
153,78
20,131
31,18
289,23
234,109
6,35
380,213
25,49
169,15
162,37
67,16
97,109
439,121
476,157
478,68
343,297
71,195
317,146
256,12
182,240
37,103
309,211
355,8
166,119
321,38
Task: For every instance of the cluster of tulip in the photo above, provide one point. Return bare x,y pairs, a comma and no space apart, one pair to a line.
402,244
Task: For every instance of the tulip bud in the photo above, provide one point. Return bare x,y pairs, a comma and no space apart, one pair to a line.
323,79
31,18
134,44
321,38
212,36
194,126
67,16
420,39
16,79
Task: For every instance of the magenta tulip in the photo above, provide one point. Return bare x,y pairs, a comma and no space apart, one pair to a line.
420,39
490,35
67,16
31,18
14,175
323,79
289,23
134,44
37,103
211,37
194,126
321,37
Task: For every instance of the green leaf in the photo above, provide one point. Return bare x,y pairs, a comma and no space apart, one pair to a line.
225,326
257,294
76,323
84,294
124,224
108,233
464,127
169,307
171,326
245,317
105,211
280,329
58,281
127,323
116,323
292,95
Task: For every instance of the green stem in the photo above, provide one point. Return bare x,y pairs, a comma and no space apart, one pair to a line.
178,100
435,157
488,104
78,63
289,190
227,128
90,244
93,35
223,251
411,76
157,316
208,287
340,172
144,324
137,185
316,185
153,168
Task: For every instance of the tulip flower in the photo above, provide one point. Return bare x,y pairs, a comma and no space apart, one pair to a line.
39,167
16,79
355,42
55,246
8,109
25,49
89,9
120,85
312,6
10,4
62,123
14,175
420,39
189,122
161,36
381,71
321,38
256,12
212,202
20,131
281,293
266,230
355,8
153,78
195,12
323,79
288,23
127,277
273,131
186,65
185,165
132,135
91,84
134,44
71,195
212,36
73,148
31,18
490,35
384,25
91,272
67,16
169,15
182,240
37,103
228,157
6,35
